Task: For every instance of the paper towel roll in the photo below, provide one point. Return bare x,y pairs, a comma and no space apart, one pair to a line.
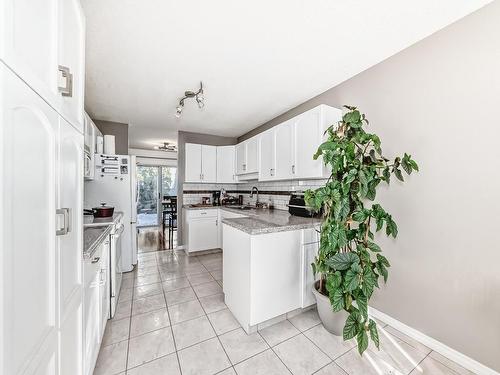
109,144
99,145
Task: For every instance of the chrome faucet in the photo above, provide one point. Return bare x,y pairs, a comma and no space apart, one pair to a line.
251,195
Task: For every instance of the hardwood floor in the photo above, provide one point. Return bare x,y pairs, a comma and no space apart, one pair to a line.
151,239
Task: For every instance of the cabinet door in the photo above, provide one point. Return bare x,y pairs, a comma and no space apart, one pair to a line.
267,156
104,290
70,168
71,56
28,257
28,43
203,234
225,164
91,316
252,160
284,150
307,138
241,158
193,163
208,163
309,252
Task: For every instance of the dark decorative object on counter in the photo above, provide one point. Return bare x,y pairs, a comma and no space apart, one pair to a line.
100,212
349,262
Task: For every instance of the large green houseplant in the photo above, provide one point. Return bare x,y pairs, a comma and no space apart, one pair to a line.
349,263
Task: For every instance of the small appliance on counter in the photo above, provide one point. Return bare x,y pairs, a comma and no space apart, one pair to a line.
216,198
297,206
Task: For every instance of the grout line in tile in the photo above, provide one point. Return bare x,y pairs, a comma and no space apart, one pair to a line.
276,354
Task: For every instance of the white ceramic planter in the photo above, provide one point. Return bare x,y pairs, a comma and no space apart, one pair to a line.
332,321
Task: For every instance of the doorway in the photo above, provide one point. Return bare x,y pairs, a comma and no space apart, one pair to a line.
153,184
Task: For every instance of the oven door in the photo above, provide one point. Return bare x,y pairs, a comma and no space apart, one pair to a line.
115,266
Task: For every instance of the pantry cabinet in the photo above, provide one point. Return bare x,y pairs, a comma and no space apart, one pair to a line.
41,334
43,41
200,163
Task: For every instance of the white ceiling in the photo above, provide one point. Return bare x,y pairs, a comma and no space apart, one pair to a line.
257,59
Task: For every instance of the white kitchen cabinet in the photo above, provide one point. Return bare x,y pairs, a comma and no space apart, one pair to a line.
39,39
70,249
226,164
267,164
92,311
46,182
90,131
309,252
193,163
104,286
71,59
200,163
284,141
286,150
201,229
247,156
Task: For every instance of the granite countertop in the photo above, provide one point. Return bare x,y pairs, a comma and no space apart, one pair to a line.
90,221
93,237
261,221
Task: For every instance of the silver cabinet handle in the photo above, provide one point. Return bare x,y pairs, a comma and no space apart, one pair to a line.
66,212
67,89
96,259
216,221
293,169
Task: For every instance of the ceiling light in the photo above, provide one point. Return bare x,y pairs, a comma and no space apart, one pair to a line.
188,94
167,146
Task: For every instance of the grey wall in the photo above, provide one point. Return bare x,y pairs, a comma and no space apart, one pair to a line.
182,139
439,100
119,130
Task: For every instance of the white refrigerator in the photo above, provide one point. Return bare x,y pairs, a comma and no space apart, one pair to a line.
115,184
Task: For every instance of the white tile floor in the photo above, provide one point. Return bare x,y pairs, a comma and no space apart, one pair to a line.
172,319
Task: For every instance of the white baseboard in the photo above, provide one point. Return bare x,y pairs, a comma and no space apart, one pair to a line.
464,361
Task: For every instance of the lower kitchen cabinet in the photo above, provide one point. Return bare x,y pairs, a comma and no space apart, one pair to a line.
201,229
96,304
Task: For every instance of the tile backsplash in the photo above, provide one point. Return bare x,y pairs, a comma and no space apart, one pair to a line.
275,192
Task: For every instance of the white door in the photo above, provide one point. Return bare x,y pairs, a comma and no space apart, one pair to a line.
70,168
209,163
28,43
71,57
284,150
308,134
241,156
252,159
225,164
29,137
267,156
203,234
193,163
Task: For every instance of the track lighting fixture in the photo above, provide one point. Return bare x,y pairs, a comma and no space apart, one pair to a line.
200,100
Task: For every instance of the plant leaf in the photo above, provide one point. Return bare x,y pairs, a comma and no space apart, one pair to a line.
398,174
337,300
372,326
362,339
362,302
374,247
342,261
351,326
351,279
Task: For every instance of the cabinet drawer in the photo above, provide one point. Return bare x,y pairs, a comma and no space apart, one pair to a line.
194,214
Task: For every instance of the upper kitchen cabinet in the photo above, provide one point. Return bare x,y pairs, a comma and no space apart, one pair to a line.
201,163
71,61
43,42
286,150
247,156
308,133
226,164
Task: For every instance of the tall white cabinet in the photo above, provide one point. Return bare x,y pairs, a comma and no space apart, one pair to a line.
41,169
201,163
